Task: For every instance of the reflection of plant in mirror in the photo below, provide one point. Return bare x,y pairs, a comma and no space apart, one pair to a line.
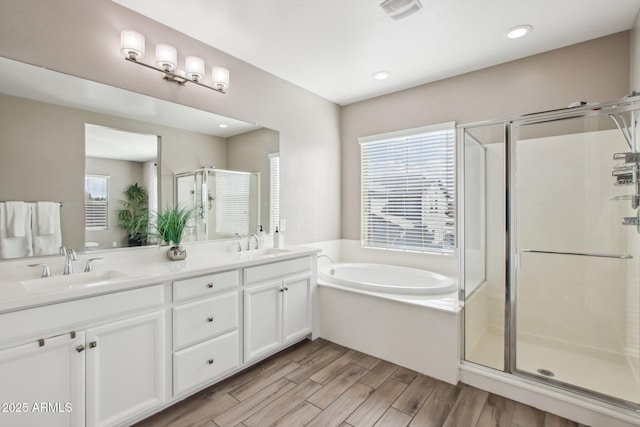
170,224
135,216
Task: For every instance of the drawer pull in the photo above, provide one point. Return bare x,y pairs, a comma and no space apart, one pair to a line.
209,285
93,344
210,361
80,348
286,289
210,319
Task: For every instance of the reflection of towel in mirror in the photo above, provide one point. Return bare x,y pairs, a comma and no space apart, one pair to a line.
47,234
15,218
15,247
47,218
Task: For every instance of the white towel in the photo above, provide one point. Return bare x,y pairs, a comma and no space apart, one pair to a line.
16,219
15,247
44,242
48,218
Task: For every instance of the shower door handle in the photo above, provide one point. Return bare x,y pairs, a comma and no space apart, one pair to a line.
616,256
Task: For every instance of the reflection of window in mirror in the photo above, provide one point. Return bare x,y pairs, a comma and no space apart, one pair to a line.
274,184
96,202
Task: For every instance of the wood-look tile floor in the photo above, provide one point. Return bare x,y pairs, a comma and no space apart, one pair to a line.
319,383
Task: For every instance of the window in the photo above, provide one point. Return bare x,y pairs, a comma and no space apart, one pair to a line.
232,202
274,191
408,190
96,202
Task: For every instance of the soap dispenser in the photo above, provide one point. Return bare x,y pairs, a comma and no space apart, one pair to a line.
260,236
276,238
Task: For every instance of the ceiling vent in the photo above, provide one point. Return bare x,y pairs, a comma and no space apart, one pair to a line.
398,9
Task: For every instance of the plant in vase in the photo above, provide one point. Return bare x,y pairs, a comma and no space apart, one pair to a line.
170,225
134,217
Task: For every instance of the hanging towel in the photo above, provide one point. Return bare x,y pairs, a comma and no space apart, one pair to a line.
47,218
15,247
47,232
16,219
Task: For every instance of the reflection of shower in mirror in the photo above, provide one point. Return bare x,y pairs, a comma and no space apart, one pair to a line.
225,202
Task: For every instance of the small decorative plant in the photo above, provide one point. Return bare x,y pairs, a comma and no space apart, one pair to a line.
134,217
170,224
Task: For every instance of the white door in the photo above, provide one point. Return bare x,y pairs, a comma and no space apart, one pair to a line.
262,318
125,368
297,307
42,383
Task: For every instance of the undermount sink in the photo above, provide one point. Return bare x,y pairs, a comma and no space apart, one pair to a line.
264,252
72,281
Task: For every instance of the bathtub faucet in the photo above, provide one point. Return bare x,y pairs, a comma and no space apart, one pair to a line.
328,257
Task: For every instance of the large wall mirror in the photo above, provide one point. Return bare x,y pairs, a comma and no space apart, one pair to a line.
86,146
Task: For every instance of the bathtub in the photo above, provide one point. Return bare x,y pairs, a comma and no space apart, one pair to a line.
406,316
388,279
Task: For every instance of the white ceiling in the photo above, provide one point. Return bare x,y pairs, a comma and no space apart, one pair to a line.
331,47
109,143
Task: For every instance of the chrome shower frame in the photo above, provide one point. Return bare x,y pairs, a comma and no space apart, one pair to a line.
613,110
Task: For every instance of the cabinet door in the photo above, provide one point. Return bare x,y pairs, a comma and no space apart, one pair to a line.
125,368
43,383
297,307
262,318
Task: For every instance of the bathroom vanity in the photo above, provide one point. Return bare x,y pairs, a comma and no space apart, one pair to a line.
114,348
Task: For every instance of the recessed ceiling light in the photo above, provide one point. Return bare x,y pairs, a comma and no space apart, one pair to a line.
222,125
519,31
381,75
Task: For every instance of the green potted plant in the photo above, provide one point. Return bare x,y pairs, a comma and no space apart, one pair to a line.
134,217
170,225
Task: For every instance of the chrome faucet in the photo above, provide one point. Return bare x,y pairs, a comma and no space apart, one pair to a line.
252,236
69,256
237,243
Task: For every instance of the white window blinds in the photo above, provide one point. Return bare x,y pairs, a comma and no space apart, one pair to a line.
96,203
232,202
274,191
408,190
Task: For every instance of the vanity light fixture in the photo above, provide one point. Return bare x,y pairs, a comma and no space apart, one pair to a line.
132,48
519,31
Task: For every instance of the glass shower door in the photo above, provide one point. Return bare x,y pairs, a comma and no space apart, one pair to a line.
575,268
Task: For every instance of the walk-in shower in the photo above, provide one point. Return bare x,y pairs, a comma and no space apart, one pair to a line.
551,248
223,202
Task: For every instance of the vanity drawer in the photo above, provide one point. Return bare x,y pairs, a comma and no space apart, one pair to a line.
276,270
204,285
205,361
206,318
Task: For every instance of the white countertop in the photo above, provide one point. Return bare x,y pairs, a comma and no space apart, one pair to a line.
140,267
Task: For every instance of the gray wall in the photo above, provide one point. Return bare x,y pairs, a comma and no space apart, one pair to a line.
83,38
635,54
596,70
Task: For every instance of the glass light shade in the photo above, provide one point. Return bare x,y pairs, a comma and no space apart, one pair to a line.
132,44
194,66
220,78
166,57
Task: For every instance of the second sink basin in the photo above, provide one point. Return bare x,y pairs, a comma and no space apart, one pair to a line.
72,281
264,252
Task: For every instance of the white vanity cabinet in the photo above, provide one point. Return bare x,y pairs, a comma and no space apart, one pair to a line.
277,306
125,368
106,367
43,372
206,335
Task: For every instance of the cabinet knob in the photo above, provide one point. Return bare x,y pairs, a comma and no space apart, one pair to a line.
286,289
210,362
210,319
80,348
281,289
209,285
93,344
